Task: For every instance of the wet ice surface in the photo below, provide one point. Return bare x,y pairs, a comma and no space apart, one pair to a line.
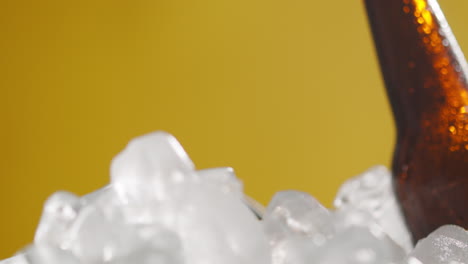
158,209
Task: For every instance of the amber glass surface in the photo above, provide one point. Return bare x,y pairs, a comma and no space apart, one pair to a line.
425,76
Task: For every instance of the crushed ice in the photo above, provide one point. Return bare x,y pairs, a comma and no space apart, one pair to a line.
159,210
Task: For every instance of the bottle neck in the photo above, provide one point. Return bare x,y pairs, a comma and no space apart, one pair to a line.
424,70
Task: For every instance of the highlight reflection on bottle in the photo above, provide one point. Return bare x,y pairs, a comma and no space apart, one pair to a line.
425,74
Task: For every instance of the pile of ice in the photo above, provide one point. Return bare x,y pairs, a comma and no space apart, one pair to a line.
159,210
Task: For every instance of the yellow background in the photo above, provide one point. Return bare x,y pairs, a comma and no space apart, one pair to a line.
286,92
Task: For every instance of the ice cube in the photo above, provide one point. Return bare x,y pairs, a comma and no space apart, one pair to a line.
366,190
149,165
413,260
372,192
44,254
257,209
293,251
217,227
95,238
149,256
357,245
295,222
157,246
18,259
346,217
294,213
446,245
107,201
224,178
95,196
59,213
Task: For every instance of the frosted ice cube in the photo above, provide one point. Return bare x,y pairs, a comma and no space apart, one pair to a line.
293,213
224,178
107,201
94,197
43,254
366,190
293,251
157,246
257,209
18,259
372,192
357,245
446,245
95,238
149,165
413,260
346,217
149,256
59,213
217,227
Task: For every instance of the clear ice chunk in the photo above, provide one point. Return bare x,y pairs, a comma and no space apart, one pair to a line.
161,187
446,245
295,222
60,211
372,192
357,245
149,165
344,218
294,213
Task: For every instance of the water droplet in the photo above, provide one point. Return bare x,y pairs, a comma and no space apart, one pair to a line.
445,42
453,129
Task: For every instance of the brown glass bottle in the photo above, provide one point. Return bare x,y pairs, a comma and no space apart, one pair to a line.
425,74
